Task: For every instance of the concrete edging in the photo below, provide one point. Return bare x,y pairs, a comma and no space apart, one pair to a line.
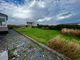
61,56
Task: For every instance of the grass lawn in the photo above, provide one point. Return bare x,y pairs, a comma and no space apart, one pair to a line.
40,35
44,36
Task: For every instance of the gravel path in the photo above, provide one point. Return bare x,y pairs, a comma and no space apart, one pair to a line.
21,48
3,43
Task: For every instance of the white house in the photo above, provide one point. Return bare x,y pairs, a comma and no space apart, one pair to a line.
3,22
31,22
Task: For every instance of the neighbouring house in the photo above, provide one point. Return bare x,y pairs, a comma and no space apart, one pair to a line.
3,22
30,24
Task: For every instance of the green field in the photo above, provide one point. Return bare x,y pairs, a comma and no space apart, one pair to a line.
44,35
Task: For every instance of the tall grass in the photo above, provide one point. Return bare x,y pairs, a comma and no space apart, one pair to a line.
70,49
75,32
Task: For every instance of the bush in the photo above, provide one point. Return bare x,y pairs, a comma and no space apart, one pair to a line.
12,26
69,26
60,26
75,32
15,26
70,49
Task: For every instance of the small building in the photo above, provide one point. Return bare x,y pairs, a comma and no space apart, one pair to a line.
30,24
3,22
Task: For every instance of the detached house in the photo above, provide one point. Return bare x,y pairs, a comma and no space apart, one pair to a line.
3,22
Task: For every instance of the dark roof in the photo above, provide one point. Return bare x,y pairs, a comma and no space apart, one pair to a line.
1,14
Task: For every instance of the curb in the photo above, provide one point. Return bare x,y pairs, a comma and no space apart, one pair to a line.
61,56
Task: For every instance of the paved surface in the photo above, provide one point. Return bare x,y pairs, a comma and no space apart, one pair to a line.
3,47
3,43
4,55
21,48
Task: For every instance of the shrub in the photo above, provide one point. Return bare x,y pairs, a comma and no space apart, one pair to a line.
15,26
59,26
75,32
12,26
70,49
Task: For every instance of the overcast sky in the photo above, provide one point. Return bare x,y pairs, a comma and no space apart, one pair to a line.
41,11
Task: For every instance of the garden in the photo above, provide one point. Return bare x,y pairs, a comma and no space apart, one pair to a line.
66,41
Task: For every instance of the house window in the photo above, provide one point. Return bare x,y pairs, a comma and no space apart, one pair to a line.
2,20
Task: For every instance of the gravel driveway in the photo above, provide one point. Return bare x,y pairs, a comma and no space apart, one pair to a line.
3,47
21,48
3,42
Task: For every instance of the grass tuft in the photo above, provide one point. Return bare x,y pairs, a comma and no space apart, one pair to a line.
70,49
